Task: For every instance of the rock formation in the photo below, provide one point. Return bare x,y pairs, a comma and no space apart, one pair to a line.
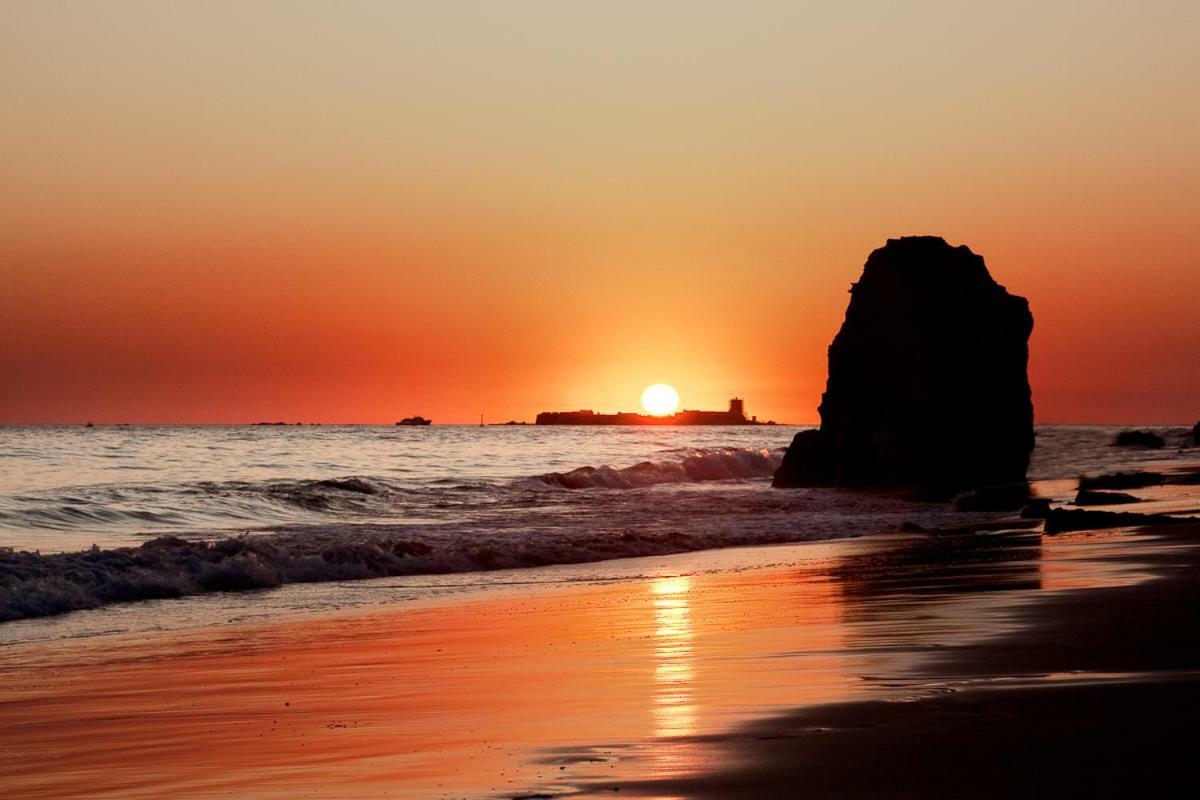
927,378
1196,434
1139,439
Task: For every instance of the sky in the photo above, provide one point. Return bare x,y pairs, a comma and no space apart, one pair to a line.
359,211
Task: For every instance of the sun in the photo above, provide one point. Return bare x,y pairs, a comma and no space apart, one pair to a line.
660,399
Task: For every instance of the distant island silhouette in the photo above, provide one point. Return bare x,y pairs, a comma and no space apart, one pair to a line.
735,415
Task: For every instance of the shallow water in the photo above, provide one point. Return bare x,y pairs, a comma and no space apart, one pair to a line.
337,503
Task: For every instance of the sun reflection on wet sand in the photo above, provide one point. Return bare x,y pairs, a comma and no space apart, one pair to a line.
674,664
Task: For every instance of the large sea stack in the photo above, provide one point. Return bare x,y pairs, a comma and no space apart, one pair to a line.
928,383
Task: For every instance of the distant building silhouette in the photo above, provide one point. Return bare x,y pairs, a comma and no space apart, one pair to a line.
736,415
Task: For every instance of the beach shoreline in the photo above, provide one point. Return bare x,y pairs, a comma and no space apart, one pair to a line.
1095,691
638,684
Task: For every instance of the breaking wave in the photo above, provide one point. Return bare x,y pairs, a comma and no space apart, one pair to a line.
357,527
695,465
562,527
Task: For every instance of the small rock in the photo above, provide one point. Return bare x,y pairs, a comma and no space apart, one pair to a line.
1005,497
1123,480
1036,508
1090,497
1139,439
1061,520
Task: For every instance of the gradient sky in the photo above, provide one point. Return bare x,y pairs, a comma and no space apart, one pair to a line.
358,211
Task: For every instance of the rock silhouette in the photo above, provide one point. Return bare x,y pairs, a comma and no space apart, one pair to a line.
1196,434
1091,497
1001,497
927,382
1122,480
1139,439
1061,520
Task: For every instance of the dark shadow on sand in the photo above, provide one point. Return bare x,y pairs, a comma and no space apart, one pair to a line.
1094,692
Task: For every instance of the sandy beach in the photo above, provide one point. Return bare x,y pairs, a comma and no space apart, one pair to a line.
770,666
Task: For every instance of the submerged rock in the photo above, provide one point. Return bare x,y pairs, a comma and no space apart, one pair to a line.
1138,439
1123,480
1008,497
1090,497
1036,508
927,381
1061,520
1184,476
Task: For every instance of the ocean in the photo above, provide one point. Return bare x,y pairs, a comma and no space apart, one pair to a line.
233,511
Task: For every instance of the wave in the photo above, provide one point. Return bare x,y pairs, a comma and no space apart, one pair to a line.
34,585
696,465
230,504
141,506
576,527
348,495
356,527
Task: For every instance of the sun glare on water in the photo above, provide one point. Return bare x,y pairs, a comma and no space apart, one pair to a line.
660,399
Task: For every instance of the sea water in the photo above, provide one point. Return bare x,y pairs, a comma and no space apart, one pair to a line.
122,513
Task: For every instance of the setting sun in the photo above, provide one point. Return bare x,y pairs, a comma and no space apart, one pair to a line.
660,399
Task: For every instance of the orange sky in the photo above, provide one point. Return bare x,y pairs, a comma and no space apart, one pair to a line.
356,213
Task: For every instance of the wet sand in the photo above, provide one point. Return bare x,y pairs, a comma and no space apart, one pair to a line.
885,666
1095,693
